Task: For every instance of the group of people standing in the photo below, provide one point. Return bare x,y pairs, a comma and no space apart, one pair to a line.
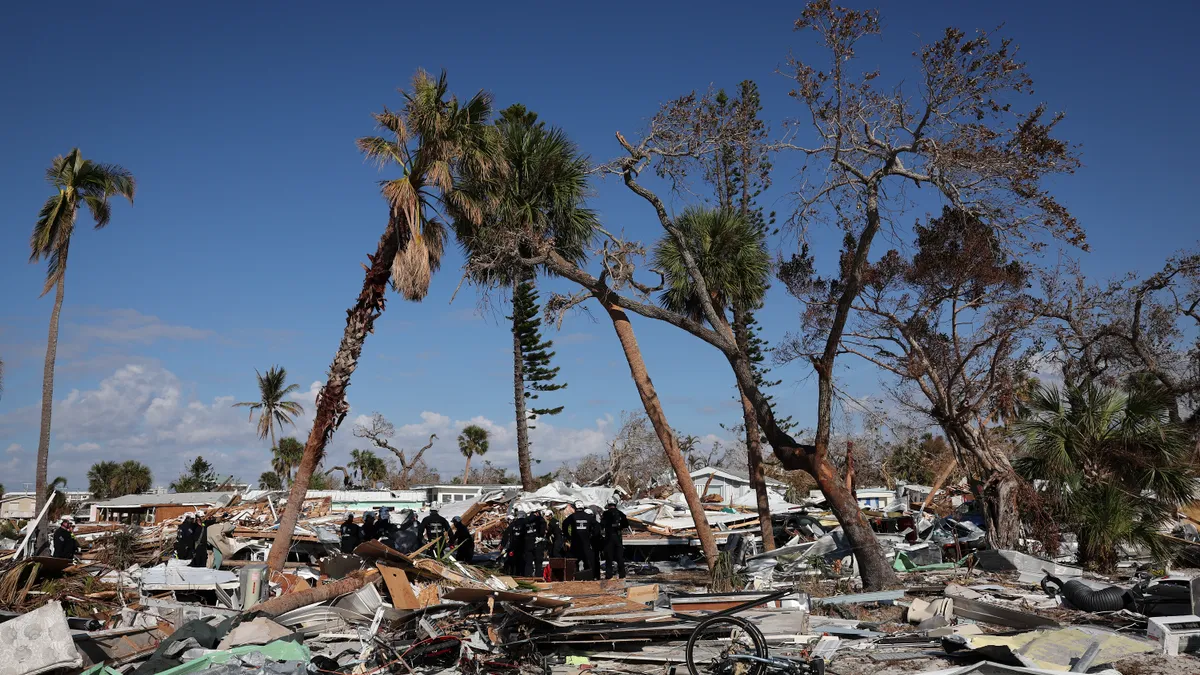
533,534
204,541
409,535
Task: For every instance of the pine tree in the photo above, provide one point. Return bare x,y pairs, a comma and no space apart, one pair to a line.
540,376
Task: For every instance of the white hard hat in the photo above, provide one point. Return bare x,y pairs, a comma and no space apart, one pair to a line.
578,504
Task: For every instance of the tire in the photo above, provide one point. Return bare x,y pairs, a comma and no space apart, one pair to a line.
725,627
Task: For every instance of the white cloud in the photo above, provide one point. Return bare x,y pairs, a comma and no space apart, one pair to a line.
130,325
551,444
145,412
13,448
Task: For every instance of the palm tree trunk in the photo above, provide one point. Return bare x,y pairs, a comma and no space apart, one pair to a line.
331,406
519,400
658,418
467,470
43,455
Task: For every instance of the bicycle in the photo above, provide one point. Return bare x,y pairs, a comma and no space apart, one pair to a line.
737,636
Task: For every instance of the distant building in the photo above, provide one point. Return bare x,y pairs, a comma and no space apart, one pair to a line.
20,505
154,508
367,500
731,486
868,498
444,494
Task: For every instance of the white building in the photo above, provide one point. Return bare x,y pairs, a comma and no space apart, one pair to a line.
444,494
20,505
369,500
730,486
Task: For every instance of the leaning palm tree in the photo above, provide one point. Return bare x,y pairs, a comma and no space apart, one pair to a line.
539,200
1114,461
472,442
273,410
77,181
429,138
733,259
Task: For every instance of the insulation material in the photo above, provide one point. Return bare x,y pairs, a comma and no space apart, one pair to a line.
37,642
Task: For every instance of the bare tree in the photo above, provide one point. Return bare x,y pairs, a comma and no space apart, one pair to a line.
379,431
958,331
1137,327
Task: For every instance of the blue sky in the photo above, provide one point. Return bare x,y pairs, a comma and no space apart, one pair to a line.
254,210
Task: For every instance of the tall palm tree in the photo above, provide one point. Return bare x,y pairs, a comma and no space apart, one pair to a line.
77,181
369,467
429,138
732,255
285,457
472,442
1116,463
539,200
273,410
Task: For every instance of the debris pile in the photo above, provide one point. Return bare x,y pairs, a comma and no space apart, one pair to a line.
354,602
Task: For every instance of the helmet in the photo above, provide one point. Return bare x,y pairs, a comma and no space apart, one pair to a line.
547,512
578,505
612,501
456,519
433,508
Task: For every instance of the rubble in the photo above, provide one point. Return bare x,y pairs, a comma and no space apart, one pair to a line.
128,606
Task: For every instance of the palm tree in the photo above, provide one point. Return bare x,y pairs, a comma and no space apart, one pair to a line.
472,442
285,457
269,480
59,506
369,467
273,410
107,480
431,137
133,478
1115,462
732,255
77,180
540,200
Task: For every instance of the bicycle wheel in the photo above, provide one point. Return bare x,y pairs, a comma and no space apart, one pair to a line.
728,638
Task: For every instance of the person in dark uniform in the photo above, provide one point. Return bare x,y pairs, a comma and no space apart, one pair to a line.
613,524
65,546
368,527
533,544
200,553
185,538
554,536
435,527
351,534
508,546
407,537
579,527
462,541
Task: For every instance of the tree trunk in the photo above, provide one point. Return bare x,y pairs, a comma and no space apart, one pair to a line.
996,485
658,418
43,455
331,406
758,479
519,400
467,470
